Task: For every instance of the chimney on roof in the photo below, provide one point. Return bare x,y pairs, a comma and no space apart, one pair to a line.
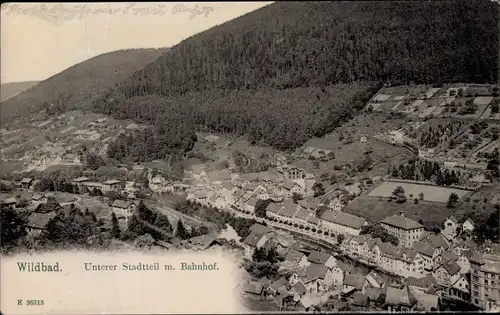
401,213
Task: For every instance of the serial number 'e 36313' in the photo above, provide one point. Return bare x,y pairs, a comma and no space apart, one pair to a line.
29,302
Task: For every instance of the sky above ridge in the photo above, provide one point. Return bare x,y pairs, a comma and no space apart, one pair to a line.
41,40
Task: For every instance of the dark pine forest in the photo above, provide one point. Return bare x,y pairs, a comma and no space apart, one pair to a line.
295,70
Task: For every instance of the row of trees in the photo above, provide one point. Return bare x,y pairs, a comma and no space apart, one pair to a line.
424,170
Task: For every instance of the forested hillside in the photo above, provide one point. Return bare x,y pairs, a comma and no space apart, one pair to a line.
80,83
273,73
297,44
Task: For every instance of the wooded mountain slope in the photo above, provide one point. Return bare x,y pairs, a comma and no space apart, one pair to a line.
295,70
81,82
11,89
297,44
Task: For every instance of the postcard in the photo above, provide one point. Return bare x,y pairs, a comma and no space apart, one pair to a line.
250,157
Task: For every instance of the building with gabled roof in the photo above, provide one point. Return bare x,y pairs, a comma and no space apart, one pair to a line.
123,208
317,278
110,185
288,211
26,183
400,300
253,290
297,258
259,235
290,188
444,272
10,202
272,210
450,228
373,279
302,215
260,229
353,283
37,222
322,258
468,225
426,302
423,284
360,299
428,253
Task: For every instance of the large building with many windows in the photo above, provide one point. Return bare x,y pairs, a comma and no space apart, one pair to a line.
485,281
406,230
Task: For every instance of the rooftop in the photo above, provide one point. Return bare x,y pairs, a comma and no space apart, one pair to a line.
426,302
276,285
288,211
424,248
252,201
253,287
451,267
403,297
294,255
316,271
260,229
111,182
303,214
252,239
354,281
9,201
300,288
288,184
313,220
343,218
121,204
81,179
402,222
273,207
318,257
360,299
40,220
424,282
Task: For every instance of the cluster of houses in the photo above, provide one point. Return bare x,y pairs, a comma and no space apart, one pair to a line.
445,260
37,221
223,189
309,275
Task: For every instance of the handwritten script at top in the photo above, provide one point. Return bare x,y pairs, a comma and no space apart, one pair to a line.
60,13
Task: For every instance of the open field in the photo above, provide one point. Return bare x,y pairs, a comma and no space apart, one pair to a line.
431,193
376,209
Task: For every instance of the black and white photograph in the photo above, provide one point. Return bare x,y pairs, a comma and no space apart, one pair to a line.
346,153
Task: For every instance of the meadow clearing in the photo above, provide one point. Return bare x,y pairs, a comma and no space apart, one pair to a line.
431,193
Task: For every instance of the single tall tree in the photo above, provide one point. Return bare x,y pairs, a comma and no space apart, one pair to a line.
181,231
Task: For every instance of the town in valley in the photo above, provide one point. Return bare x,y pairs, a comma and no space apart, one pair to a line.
393,207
